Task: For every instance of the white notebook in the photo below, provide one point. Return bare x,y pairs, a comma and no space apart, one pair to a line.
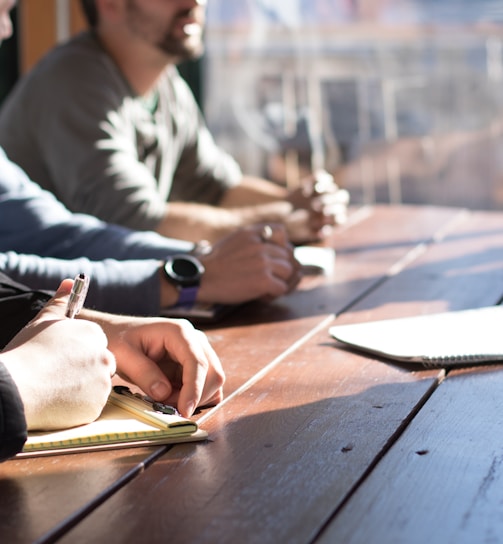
458,338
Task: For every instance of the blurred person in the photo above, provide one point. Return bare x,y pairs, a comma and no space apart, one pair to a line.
132,272
128,143
56,372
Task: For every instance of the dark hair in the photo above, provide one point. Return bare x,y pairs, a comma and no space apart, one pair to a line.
90,12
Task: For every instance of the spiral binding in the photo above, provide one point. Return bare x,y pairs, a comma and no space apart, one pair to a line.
451,360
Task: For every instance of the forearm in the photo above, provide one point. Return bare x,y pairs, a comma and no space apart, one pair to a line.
252,191
197,222
49,229
130,287
202,222
83,236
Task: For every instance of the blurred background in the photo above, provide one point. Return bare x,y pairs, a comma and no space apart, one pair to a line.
401,100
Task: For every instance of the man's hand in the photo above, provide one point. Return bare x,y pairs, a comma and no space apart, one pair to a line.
168,359
61,366
244,266
318,204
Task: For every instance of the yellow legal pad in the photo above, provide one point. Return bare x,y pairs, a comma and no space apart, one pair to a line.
121,424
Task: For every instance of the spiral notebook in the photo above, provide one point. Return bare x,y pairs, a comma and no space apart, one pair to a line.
449,339
127,420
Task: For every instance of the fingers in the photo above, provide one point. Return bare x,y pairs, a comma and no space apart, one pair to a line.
323,215
56,308
254,262
331,205
172,362
285,268
324,182
324,205
327,199
203,376
272,233
276,260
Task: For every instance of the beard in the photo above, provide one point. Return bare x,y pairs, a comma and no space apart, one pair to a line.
188,49
164,38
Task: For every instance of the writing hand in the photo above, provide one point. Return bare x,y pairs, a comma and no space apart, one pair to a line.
61,366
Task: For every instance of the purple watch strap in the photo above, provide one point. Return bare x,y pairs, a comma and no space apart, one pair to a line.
188,296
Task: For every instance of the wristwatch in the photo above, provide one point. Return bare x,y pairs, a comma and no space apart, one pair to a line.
184,272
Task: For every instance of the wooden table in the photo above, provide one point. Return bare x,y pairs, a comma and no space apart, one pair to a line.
313,443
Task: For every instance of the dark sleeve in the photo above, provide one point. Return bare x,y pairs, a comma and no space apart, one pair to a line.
18,305
12,421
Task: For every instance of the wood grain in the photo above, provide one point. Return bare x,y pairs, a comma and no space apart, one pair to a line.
303,422
289,450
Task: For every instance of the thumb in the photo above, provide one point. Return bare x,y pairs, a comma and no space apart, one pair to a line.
56,307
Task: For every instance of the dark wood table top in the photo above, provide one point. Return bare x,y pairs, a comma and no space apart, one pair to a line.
313,443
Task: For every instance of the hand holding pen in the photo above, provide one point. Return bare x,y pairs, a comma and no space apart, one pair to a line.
50,347
77,295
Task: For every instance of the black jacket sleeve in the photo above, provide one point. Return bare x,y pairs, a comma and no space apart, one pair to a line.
12,420
18,305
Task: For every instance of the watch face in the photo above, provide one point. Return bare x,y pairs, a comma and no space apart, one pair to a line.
184,270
